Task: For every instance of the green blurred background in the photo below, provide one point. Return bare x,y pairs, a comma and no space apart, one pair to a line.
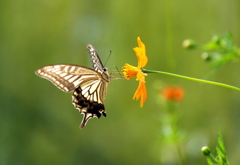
38,123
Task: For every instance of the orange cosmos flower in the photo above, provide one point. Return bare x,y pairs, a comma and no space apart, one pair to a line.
130,71
173,93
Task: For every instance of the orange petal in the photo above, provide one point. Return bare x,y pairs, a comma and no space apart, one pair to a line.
179,93
141,53
141,92
129,71
173,93
141,76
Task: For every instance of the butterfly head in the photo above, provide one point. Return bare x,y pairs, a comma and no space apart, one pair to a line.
105,69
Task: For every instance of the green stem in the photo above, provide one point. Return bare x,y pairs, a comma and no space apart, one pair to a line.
179,153
191,78
213,158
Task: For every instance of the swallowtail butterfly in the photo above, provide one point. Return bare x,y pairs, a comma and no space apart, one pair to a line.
89,86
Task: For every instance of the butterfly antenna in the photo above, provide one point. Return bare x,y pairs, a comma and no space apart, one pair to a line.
108,57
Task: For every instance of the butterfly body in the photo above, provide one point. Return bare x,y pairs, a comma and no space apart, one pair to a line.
89,86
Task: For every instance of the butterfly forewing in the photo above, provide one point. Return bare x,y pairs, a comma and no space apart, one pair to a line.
67,77
89,86
96,62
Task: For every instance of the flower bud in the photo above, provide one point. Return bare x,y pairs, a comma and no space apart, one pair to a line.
216,39
189,44
220,159
206,151
206,56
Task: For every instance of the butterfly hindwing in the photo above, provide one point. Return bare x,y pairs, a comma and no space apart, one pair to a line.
89,86
88,108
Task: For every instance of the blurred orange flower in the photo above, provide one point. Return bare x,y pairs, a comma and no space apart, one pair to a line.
173,93
130,71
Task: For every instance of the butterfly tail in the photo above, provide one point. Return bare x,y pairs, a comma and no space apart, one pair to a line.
86,117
